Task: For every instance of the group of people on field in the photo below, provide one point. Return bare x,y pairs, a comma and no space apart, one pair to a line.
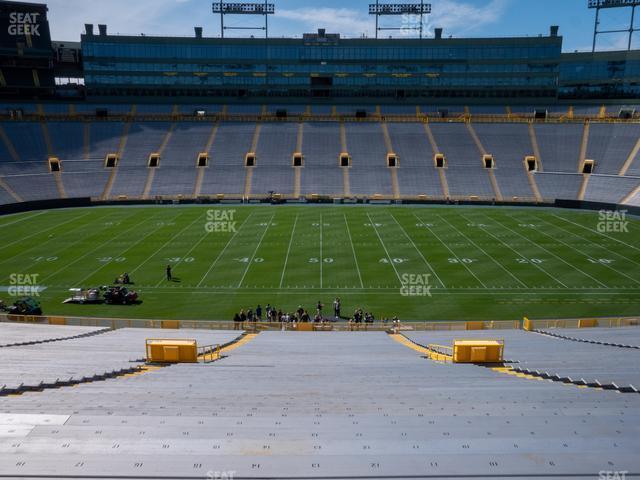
301,315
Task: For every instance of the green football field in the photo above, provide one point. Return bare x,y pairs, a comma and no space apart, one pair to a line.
420,263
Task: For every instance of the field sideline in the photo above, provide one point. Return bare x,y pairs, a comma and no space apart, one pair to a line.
475,262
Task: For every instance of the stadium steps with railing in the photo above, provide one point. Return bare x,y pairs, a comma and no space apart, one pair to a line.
483,151
56,175
629,161
152,171
114,171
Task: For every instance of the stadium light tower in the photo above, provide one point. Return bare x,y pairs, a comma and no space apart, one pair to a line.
387,9
600,4
231,8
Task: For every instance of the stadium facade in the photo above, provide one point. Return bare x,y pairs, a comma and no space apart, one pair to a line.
318,66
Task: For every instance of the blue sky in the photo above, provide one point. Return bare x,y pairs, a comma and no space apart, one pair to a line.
459,18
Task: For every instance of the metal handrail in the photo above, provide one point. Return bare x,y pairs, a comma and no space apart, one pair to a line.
441,349
209,353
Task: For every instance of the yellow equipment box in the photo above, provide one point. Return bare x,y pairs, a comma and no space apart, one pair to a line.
478,351
172,351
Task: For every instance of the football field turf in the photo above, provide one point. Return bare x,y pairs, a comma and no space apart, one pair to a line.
420,263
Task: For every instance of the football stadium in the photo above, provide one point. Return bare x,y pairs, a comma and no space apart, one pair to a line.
238,254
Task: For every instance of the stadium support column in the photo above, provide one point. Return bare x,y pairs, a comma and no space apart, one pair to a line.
200,176
492,177
10,191
56,175
395,187
86,140
627,198
152,171
248,178
298,170
346,184
583,154
9,145
632,156
441,171
114,171
535,147
536,153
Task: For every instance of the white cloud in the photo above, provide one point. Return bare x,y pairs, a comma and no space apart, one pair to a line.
67,17
177,17
347,21
458,18
462,19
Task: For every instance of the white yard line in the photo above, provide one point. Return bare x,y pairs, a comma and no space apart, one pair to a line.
129,247
595,231
517,253
382,291
66,246
549,252
420,253
590,241
353,250
165,244
28,217
211,267
450,251
293,233
482,250
40,232
266,229
582,238
385,249
64,267
321,257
